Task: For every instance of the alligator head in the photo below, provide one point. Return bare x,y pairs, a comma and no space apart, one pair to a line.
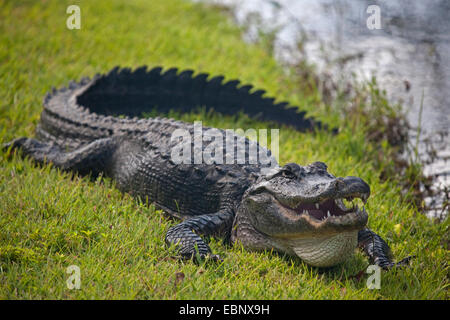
300,211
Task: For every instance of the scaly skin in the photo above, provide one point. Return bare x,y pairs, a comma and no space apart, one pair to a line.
293,209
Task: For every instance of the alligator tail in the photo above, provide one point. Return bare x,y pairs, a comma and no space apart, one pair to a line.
76,114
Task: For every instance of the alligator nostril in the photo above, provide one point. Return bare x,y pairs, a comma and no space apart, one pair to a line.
356,185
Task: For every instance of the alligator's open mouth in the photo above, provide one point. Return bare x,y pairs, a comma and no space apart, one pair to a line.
338,221
324,209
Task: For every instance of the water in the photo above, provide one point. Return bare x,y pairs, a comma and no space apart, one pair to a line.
409,56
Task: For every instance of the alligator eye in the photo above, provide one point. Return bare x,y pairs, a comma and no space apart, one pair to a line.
292,170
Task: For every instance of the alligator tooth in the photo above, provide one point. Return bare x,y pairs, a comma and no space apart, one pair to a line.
317,206
364,197
328,213
305,212
341,204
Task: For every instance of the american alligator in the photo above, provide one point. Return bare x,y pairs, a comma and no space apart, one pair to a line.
88,128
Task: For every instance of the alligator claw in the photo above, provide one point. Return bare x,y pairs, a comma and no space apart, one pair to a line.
208,257
216,258
199,258
6,146
402,263
405,261
13,144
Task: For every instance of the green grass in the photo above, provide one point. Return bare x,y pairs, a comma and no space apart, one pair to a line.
50,220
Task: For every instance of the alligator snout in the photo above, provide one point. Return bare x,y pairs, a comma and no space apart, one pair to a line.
352,187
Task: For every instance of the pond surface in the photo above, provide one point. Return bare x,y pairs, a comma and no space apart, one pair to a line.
409,55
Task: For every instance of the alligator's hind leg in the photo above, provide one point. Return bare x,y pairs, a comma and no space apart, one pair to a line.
378,250
91,158
186,234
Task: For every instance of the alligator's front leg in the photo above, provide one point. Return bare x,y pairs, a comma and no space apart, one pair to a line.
90,158
378,250
186,234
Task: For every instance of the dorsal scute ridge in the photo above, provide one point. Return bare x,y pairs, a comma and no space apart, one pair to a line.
113,102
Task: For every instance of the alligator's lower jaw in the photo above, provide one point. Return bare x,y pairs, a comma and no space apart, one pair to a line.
325,251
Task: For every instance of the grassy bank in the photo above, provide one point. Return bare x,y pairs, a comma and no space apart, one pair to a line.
50,220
